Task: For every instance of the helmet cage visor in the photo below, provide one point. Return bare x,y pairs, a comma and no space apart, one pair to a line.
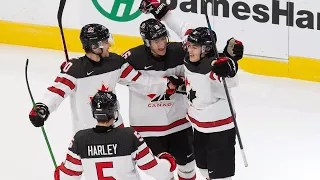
97,42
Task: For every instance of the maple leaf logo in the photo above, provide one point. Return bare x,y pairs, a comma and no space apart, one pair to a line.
103,88
191,95
187,81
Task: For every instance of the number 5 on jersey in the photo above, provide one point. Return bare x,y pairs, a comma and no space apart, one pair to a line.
102,165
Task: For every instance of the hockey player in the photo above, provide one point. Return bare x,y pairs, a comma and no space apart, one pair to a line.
208,111
82,77
161,119
109,153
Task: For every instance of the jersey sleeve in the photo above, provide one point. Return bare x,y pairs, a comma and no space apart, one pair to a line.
147,162
71,168
181,28
142,84
63,85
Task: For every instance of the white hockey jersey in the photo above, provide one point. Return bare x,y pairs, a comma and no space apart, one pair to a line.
208,105
82,78
158,115
208,109
110,154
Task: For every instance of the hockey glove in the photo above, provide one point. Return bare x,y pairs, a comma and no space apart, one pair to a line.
154,7
42,114
181,89
171,160
225,67
174,82
234,49
57,173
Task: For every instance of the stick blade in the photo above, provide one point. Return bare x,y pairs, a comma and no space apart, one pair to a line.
60,11
244,158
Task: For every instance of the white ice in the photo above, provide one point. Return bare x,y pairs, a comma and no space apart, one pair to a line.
278,118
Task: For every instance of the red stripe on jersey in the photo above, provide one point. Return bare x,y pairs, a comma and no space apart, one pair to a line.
142,153
66,82
212,123
193,178
149,165
137,76
126,71
160,128
69,172
73,160
57,90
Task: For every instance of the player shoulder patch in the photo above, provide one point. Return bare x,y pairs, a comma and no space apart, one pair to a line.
126,54
138,136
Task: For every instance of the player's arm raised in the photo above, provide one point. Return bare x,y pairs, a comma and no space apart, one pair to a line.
161,11
63,85
157,167
71,168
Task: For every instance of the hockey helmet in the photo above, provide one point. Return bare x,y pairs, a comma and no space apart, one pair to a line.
152,29
92,35
201,36
104,106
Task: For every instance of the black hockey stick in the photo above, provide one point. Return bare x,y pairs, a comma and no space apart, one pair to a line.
59,16
227,92
34,107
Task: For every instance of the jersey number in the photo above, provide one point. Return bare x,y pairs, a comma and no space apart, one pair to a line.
67,66
100,166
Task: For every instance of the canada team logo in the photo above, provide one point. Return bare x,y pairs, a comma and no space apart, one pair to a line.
164,100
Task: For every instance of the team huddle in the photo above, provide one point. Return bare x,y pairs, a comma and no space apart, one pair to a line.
178,110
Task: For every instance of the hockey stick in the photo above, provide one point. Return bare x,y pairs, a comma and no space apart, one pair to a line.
34,107
59,16
227,93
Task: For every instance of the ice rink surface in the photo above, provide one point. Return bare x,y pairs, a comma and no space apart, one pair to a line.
278,118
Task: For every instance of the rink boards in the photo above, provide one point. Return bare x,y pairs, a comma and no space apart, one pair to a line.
280,37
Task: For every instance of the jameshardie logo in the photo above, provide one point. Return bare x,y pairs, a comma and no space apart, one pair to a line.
114,14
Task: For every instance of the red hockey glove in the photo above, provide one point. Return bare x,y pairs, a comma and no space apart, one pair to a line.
154,7
225,67
57,172
171,160
42,114
234,49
